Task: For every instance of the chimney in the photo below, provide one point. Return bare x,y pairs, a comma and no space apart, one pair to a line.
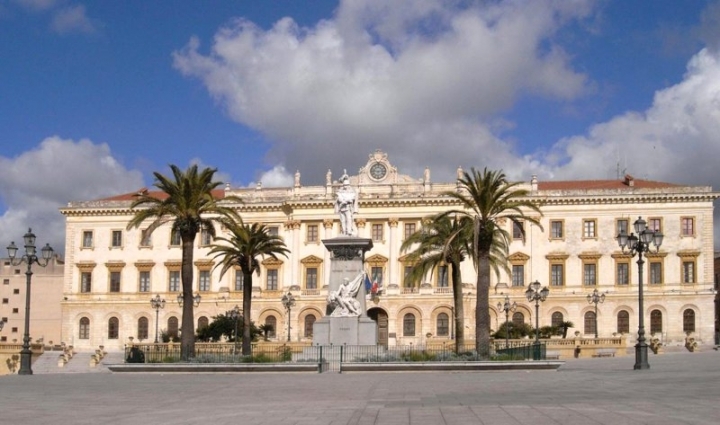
629,180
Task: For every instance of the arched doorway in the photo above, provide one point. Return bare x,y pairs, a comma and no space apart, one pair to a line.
381,318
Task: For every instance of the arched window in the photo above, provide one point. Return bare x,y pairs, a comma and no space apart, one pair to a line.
655,322
142,328
443,325
84,332
172,328
557,319
409,325
202,322
623,322
271,323
590,323
113,328
689,320
309,322
518,318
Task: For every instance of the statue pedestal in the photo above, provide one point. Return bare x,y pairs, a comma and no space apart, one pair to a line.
347,262
345,331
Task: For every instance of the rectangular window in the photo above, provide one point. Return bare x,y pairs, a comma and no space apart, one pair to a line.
376,274
687,226
144,284
556,229
175,239
145,239
623,274
654,224
239,279
622,226
409,230
377,232
16,291
272,280
518,275
589,229
204,280
557,277
311,276
517,232
174,281
205,237
406,280
114,281
87,241
85,282
443,281
6,281
312,233
656,273
688,268
6,300
273,231
117,238
590,274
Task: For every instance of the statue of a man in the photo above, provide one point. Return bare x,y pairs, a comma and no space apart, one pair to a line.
346,206
344,301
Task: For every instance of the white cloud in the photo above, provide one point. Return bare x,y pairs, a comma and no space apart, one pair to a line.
72,19
278,176
34,185
424,80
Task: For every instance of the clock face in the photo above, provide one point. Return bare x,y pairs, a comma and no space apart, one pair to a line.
378,171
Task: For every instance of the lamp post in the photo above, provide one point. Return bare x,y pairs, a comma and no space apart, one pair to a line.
507,307
534,293
157,303
596,298
196,299
638,245
30,257
235,314
288,301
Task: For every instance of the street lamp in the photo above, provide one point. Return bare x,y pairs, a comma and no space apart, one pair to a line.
596,298
30,257
534,293
638,245
196,299
157,303
235,314
288,301
507,307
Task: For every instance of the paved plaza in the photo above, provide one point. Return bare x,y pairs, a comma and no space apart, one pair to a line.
680,388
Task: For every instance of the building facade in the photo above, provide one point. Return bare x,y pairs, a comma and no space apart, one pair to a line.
112,273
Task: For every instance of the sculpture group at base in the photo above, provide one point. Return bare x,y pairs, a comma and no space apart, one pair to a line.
344,302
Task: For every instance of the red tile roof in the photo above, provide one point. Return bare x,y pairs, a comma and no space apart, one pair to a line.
217,193
602,184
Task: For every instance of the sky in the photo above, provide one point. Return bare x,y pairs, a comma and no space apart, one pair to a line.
95,96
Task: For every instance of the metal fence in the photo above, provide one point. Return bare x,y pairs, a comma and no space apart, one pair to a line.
328,358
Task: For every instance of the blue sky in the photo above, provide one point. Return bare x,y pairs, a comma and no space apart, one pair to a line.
95,96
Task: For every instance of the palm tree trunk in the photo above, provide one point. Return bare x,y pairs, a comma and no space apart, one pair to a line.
482,306
247,330
459,309
187,340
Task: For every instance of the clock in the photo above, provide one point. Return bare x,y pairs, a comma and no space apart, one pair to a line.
378,171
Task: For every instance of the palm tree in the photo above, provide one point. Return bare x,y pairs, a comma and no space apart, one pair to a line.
188,202
488,200
441,241
242,249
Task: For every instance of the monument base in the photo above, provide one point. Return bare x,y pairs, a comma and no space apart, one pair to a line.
345,331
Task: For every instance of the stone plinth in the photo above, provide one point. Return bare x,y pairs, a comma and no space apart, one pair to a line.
348,254
345,331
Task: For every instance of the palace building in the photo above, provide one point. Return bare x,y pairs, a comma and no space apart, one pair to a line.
111,273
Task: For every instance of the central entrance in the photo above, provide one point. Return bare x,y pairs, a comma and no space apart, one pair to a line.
381,319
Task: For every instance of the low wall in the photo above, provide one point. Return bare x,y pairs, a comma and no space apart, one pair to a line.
10,356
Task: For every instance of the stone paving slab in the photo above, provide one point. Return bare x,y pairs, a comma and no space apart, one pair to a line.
679,388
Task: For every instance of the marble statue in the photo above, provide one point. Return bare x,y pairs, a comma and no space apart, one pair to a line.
346,205
344,302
